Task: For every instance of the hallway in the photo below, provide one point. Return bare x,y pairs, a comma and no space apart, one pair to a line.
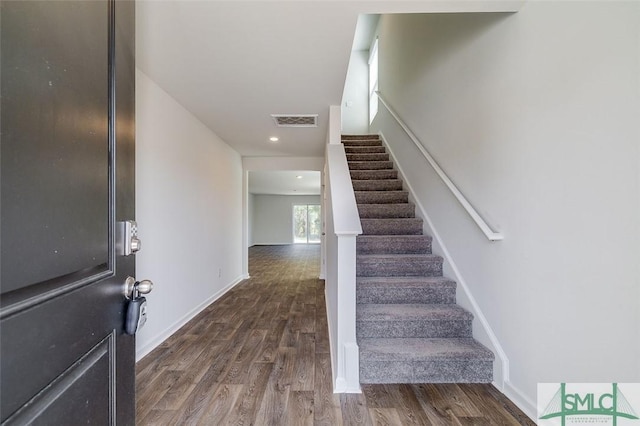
260,355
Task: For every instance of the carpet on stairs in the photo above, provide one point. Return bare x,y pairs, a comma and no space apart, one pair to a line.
408,325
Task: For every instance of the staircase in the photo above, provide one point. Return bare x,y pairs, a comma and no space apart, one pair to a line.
408,325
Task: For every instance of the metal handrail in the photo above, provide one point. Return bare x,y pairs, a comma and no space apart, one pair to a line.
488,232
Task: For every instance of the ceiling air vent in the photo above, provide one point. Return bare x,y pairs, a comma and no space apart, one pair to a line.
296,120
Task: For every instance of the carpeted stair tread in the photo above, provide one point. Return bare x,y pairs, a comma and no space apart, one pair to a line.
360,137
370,165
392,226
381,197
367,156
408,311
356,149
377,185
405,265
422,349
393,244
412,320
394,290
373,174
362,142
390,210
424,360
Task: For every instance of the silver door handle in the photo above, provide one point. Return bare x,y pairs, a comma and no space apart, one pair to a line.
133,288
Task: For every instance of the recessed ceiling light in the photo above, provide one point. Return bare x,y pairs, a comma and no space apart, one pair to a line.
273,139
299,177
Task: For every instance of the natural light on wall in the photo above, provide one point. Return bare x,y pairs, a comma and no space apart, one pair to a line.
373,81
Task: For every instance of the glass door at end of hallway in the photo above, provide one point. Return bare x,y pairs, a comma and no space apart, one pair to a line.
306,223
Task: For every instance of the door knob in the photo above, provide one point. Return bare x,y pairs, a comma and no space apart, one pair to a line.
133,288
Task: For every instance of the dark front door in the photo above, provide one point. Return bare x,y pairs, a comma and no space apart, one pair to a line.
67,178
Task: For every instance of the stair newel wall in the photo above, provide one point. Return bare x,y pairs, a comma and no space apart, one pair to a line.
342,225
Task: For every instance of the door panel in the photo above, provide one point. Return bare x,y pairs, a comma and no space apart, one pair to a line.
67,156
56,99
66,400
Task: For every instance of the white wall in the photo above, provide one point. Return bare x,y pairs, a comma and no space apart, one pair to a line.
189,212
355,97
273,217
534,116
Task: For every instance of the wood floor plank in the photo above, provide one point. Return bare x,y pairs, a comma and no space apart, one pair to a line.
326,403
245,409
499,402
260,355
292,330
272,341
158,418
177,393
378,396
407,406
201,365
308,321
491,407
354,409
239,369
274,403
430,405
300,409
220,405
303,374
385,417
148,398
473,421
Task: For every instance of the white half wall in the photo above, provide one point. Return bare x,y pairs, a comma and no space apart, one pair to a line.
273,217
534,116
189,213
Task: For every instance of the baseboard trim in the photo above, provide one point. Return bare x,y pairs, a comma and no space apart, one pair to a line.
164,335
522,401
331,348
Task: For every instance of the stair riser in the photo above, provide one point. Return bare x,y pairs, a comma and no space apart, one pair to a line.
377,185
364,149
410,226
386,211
373,174
367,157
393,245
413,267
414,328
381,197
437,371
398,294
360,137
370,165
362,142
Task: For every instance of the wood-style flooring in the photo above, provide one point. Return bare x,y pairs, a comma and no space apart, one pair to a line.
260,356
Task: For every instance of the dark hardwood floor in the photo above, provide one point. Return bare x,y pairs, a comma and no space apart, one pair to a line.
260,356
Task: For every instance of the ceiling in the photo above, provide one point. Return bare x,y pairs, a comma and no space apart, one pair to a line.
234,63
284,182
